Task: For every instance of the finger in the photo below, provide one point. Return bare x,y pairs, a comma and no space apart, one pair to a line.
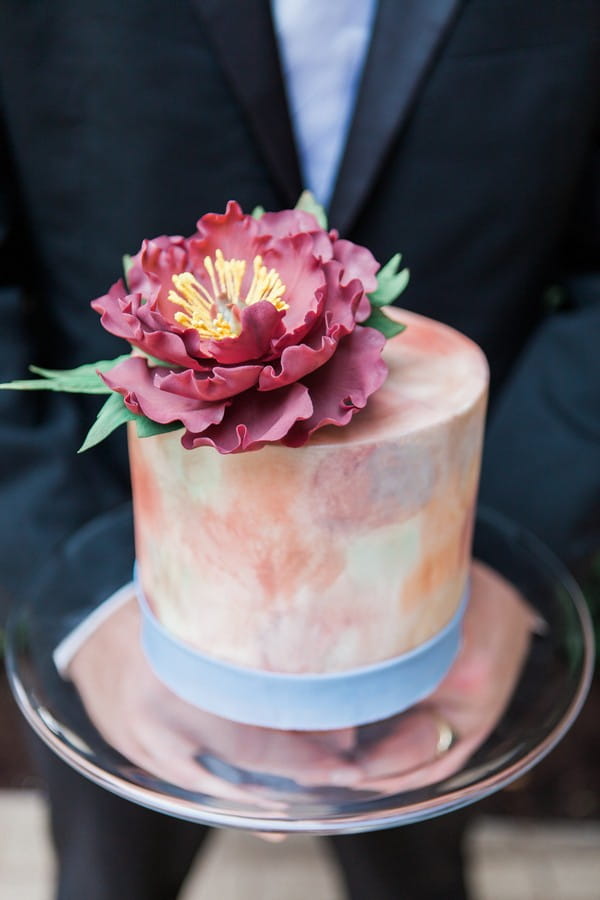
310,766
272,837
411,744
311,771
342,740
304,757
440,769
173,761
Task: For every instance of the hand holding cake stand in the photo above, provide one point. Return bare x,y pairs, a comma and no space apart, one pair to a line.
141,718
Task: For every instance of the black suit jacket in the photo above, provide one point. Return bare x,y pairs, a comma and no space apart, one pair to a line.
472,150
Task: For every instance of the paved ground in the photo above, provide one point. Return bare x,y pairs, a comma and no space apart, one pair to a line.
508,860
517,860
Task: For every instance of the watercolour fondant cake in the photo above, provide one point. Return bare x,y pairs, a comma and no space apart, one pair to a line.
348,551
304,463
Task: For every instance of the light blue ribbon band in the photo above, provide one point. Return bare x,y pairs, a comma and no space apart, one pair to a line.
299,702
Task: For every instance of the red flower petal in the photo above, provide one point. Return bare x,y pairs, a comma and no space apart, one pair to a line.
153,267
357,262
296,362
118,310
128,317
140,386
289,222
302,273
343,298
218,383
344,384
261,325
235,234
254,419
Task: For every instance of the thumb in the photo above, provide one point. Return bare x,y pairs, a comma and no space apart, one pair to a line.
272,837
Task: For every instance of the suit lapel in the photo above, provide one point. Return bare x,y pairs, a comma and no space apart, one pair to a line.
405,38
243,37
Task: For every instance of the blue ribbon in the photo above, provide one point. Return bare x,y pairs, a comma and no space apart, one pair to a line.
299,702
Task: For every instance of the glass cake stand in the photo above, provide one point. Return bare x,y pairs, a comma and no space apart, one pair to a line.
224,774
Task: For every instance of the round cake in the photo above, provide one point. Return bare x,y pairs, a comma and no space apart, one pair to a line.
348,551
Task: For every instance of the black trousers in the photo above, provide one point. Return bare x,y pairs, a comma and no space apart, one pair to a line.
108,848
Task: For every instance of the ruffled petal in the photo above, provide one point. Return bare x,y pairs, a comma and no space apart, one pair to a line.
118,309
343,298
289,222
261,325
303,276
141,387
127,316
342,386
153,267
254,419
237,235
296,362
217,383
357,262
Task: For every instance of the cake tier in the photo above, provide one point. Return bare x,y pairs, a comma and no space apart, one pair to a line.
350,550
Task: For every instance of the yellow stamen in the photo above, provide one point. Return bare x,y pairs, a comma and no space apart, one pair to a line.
212,316
266,285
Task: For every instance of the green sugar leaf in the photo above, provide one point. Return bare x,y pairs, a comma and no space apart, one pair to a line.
258,212
127,264
113,414
81,380
88,369
39,384
154,359
147,428
388,327
390,282
307,203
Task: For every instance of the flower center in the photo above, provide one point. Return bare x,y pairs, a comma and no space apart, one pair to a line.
215,313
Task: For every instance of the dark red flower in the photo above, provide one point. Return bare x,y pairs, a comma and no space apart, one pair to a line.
256,324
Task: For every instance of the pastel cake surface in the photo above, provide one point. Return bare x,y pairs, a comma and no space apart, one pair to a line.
348,551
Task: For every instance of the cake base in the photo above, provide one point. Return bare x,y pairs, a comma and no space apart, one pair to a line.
306,702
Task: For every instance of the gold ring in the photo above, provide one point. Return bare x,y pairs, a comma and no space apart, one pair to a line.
446,735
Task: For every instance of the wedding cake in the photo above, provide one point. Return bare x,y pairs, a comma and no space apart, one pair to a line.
350,550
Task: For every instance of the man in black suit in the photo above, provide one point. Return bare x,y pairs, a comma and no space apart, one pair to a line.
472,149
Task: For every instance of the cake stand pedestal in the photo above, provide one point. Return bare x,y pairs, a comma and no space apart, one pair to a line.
252,778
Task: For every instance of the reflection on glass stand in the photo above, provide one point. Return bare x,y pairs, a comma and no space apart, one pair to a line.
222,773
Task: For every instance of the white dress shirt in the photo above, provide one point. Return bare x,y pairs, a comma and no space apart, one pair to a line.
323,46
